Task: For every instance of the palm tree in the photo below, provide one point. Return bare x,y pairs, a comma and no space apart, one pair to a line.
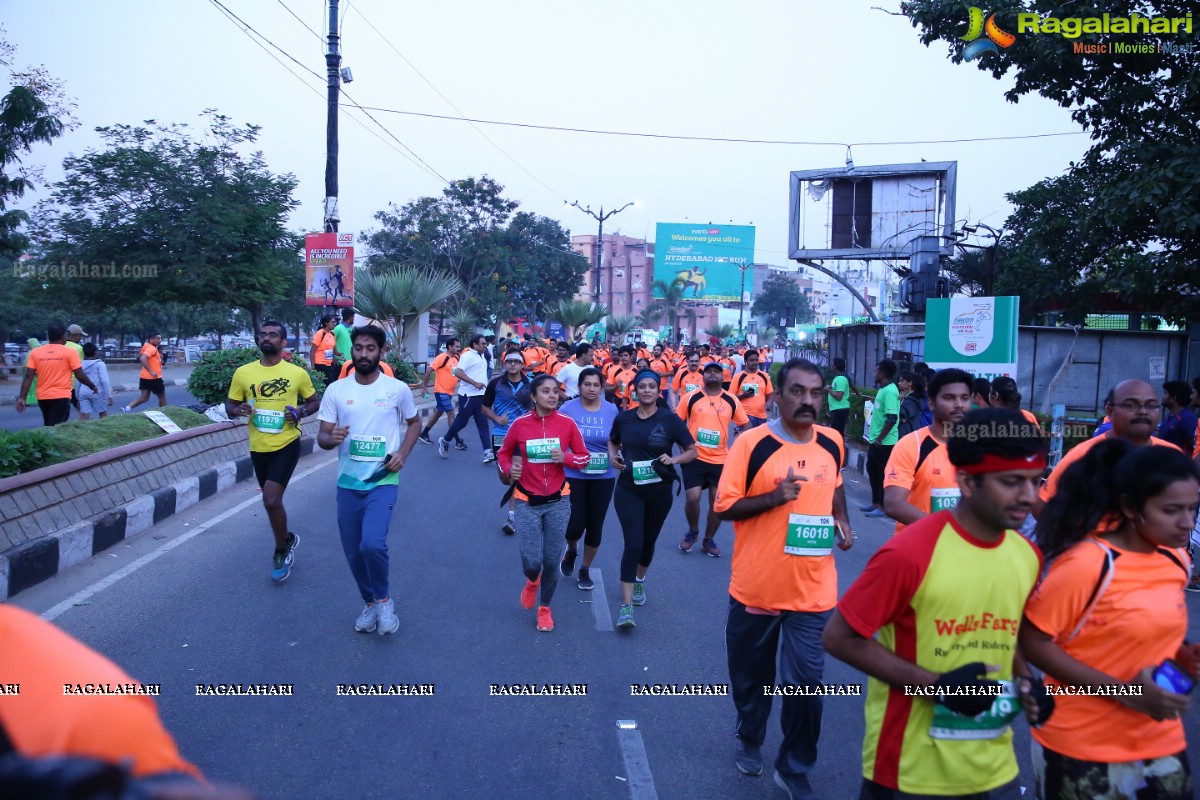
575,314
400,296
462,324
651,316
722,332
669,296
618,327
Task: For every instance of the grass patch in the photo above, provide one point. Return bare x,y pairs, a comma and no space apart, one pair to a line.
84,437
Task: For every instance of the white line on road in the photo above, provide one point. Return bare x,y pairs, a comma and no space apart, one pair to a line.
637,766
600,603
99,586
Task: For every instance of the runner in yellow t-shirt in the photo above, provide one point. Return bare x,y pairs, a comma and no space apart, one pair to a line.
276,395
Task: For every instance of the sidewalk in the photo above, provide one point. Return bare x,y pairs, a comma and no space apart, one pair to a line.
123,377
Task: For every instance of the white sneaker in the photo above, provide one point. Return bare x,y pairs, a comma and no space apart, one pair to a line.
126,409
388,622
443,447
367,619
489,457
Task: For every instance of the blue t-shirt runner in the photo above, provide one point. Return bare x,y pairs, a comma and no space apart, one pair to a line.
507,399
595,427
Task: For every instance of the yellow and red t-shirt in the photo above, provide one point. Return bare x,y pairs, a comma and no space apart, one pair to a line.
1139,620
43,721
324,342
443,367
383,367
783,558
919,463
54,365
758,382
1077,452
687,381
708,418
940,598
153,361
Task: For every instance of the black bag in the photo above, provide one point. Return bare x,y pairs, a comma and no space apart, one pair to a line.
534,500
668,473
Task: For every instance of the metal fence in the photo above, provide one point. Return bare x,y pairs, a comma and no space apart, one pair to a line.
1054,365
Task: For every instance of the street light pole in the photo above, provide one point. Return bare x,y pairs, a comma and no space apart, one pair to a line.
599,239
742,301
333,60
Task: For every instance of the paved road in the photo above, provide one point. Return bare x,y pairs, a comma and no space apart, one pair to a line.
32,417
206,612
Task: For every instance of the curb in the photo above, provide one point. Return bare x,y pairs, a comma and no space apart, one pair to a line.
43,559
11,399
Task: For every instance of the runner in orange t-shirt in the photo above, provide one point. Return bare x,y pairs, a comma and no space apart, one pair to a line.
708,412
150,379
444,384
53,364
919,479
323,349
1108,613
753,387
689,379
68,704
620,380
782,489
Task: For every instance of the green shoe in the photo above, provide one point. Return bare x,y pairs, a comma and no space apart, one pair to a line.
625,618
639,594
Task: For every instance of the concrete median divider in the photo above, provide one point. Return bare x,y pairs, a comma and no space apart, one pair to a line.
56,517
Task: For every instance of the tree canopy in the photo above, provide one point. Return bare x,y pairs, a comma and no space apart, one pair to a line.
778,294
1136,209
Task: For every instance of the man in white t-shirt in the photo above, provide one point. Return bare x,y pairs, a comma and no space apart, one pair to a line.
568,376
472,374
361,417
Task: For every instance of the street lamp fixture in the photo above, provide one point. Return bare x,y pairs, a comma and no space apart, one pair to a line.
599,217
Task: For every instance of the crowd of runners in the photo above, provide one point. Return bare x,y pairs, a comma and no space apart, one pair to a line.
963,624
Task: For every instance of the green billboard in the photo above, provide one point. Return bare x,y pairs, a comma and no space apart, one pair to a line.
704,259
978,334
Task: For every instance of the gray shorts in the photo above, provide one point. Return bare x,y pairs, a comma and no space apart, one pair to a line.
90,403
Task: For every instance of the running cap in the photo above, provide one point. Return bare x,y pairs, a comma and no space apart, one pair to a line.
714,365
75,329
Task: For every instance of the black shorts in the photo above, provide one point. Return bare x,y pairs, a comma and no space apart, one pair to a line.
153,385
277,465
702,474
330,371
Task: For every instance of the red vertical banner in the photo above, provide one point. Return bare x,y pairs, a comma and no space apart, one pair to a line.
329,269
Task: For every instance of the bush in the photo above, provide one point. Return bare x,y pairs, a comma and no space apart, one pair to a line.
210,378
405,371
25,451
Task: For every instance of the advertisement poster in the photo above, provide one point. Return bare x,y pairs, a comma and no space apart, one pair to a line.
704,259
978,334
329,269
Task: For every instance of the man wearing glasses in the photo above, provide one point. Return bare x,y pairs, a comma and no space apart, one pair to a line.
1134,409
276,395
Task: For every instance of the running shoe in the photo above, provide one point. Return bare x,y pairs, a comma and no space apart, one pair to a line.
459,444
388,622
281,566
367,619
689,541
424,438
710,549
529,593
625,618
567,567
545,619
878,513
1194,585
585,580
867,507
488,456
443,447
796,786
639,593
748,759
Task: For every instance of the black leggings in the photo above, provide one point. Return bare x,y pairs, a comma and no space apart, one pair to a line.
642,511
589,506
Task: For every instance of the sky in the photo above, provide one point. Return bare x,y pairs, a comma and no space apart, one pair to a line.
796,70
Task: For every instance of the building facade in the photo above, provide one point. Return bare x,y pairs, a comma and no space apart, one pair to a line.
626,272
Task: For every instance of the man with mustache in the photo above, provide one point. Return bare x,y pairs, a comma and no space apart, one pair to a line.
276,395
919,479
1134,410
782,489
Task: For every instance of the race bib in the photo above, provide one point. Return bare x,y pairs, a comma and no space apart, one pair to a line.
328,355
597,464
809,535
688,388
497,440
643,473
988,725
537,451
942,499
368,448
752,388
268,421
706,437
621,387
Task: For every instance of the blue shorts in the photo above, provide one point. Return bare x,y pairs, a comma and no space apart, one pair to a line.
443,401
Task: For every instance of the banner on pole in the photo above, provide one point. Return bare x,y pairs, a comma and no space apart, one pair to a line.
977,334
329,269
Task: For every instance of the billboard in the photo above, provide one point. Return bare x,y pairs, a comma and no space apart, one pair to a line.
977,334
704,259
329,269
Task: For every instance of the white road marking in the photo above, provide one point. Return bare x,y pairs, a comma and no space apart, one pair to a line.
99,586
637,766
600,603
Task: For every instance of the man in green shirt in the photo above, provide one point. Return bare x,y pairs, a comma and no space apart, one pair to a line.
74,341
883,433
837,400
341,336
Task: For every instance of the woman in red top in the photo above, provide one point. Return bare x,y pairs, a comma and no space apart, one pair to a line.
535,449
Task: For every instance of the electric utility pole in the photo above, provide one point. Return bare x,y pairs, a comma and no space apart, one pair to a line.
333,61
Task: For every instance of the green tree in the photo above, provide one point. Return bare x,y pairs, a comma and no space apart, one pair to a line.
1142,112
575,314
177,218
537,270
397,297
617,328
778,294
